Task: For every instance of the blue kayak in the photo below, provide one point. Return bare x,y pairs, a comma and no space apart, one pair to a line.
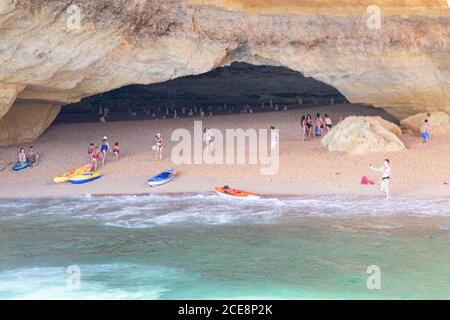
19,166
162,177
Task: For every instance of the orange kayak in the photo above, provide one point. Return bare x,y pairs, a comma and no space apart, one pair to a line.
65,177
236,193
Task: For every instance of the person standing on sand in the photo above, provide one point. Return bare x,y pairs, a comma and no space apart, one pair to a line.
309,126
116,151
304,128
158,147
425,132
274,139
328,122
209,137
91,150
94,158
104,149
385,178
318,126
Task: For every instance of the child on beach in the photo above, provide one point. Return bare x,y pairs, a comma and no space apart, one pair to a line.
424,132
116,151
32,156
94,158
104,149
158,146
385,178
91,150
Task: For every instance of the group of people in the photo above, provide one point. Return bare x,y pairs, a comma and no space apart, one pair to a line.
30,157
96,153
317,127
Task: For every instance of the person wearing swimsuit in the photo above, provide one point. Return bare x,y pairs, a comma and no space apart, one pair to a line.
116,151
104,149
425,132
328,122
159,146
304,128
309,125
91,150
94,158
385,178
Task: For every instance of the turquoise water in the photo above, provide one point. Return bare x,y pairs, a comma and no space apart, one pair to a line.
207,247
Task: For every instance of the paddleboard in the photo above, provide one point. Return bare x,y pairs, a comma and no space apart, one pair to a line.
18,166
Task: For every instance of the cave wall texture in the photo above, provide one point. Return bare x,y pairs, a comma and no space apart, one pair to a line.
47,59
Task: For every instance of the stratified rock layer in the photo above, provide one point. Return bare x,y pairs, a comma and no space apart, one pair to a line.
359,135
402,67
438,122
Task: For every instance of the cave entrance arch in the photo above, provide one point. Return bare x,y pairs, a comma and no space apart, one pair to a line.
238,88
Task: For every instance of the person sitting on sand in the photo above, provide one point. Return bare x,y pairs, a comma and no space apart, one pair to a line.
94,159
22,156
385,178
91,150
425,132
158,146
116,151
328,122
104,149
32,156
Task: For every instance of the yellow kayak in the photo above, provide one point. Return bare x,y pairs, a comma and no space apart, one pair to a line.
85,177
66,176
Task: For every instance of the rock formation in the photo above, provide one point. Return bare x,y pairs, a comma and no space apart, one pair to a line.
358,135
438,122
54,52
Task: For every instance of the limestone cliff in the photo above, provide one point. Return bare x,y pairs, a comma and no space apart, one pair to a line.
47,58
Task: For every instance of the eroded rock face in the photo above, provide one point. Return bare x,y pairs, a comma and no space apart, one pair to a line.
359,135
438,122
24,122
402,67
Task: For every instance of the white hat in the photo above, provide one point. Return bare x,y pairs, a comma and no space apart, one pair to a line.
105,138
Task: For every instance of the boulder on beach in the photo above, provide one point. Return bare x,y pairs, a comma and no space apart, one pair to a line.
438,122
359,135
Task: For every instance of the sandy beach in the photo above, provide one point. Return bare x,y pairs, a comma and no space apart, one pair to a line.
305,168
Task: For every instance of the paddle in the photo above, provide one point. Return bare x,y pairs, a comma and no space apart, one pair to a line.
6,166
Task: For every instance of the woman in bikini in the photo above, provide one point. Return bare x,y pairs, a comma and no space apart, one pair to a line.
309,125
304,127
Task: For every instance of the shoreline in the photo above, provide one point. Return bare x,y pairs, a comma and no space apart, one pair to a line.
136,186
